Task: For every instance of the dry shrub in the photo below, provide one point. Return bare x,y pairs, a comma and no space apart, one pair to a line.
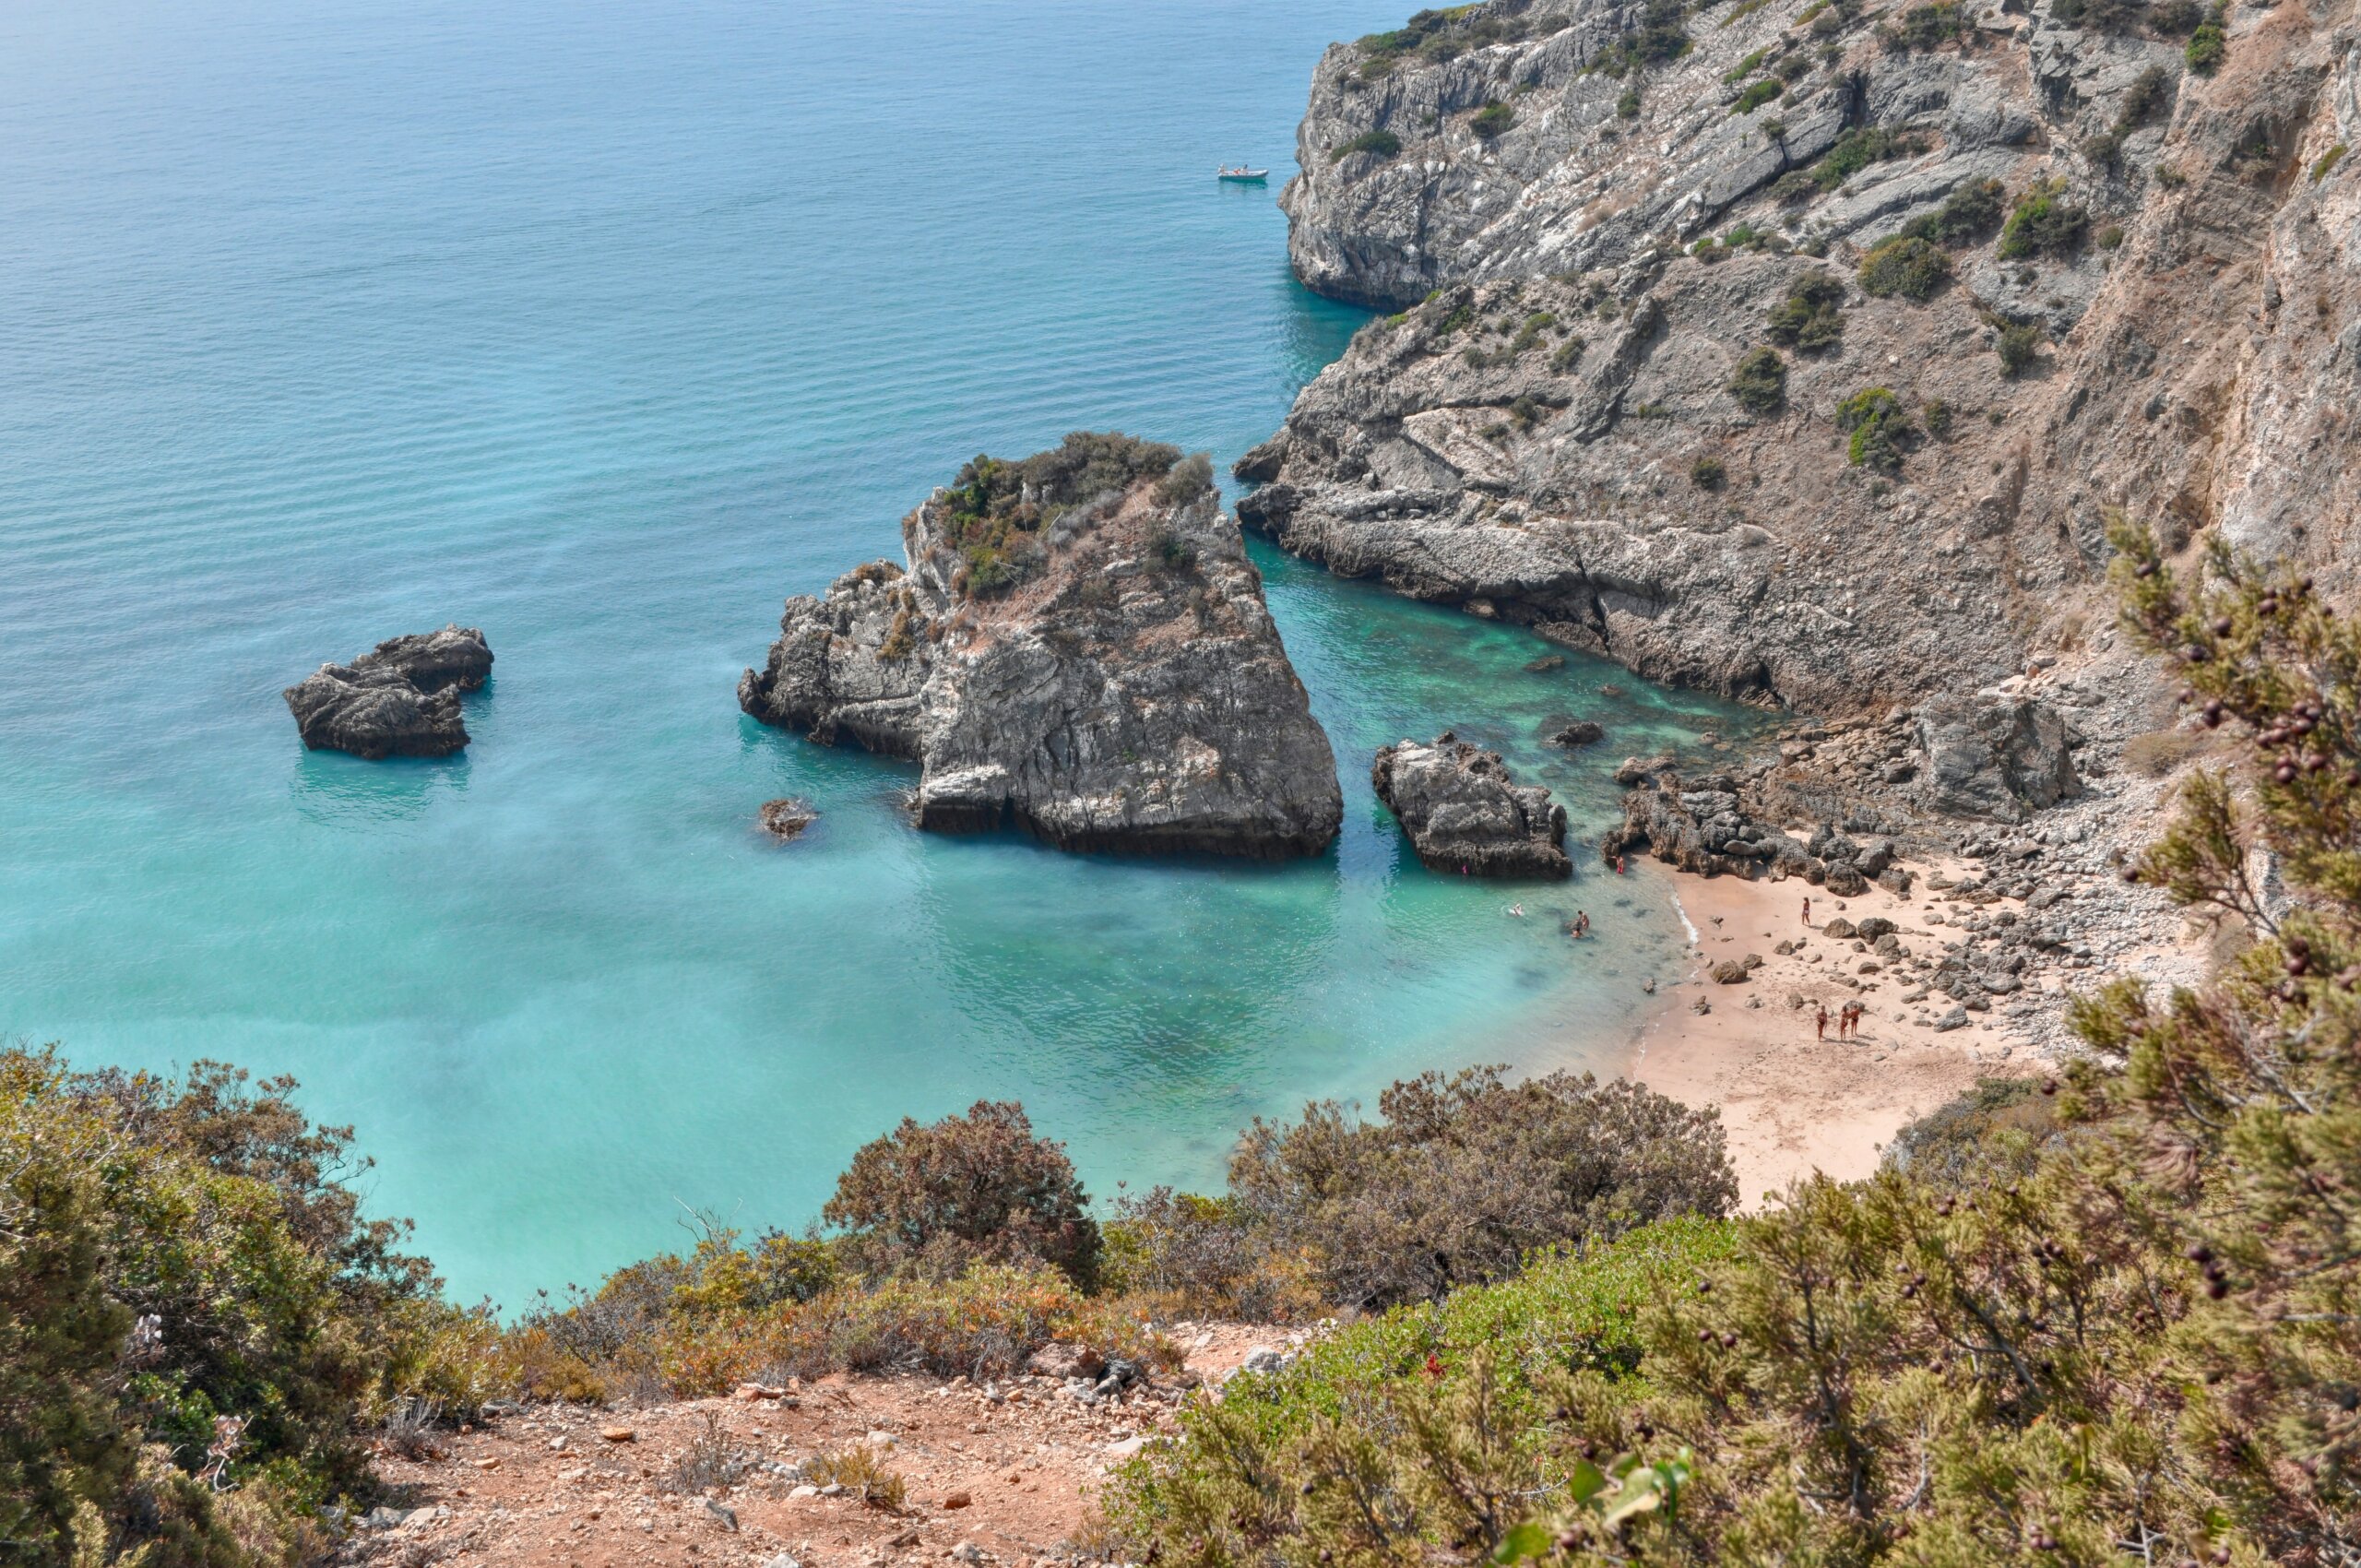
986,1324
1469,1174
862,1473
408,1429
980,1187
2159,752
710,1460
1183,1256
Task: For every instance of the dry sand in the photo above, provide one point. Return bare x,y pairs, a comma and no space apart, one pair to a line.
1792,1102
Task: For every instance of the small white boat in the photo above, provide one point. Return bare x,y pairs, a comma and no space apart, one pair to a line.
1242,174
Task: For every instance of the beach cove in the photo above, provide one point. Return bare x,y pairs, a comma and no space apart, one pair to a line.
594,329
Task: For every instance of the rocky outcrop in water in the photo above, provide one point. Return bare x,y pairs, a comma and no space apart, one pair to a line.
1673,401
1078,647
399,699
1464,812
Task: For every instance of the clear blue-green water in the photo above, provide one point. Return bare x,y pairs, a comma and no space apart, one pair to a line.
605,326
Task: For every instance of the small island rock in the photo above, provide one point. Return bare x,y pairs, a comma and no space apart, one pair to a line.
788,817
1581,732
1461,810
399,699
1079,647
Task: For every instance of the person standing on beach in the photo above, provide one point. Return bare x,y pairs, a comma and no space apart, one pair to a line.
1807,910
1822,1020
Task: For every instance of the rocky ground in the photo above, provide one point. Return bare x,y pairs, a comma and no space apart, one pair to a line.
1085,655
1644,395
996,1472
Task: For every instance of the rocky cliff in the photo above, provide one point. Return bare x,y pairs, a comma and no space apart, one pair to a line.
1800,349
1078,647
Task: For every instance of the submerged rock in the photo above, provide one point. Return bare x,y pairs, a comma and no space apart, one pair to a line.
787,818
1582,732
1464,811
399,699
1079,647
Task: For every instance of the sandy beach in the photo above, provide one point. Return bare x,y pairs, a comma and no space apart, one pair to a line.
1791,1101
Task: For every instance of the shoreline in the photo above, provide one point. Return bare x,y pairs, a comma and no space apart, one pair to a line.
1791,1103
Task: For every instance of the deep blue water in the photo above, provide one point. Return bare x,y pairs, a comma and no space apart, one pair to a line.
604,327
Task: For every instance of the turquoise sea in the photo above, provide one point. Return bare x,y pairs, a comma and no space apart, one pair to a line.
605,325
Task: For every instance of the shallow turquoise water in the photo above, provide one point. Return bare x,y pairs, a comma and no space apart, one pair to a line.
604,327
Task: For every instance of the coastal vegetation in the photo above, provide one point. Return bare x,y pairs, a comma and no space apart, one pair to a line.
1905,266
2103,1315
1760,382
996,511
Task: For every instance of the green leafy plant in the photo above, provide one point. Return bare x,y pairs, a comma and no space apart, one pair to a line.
1492,121
1905,266
1811,317
1760,382
2043,224
1708,473
1881,430
2210,44
1381,143
1966,215
2019,344
981,1186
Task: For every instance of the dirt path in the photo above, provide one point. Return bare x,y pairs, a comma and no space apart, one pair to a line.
995,1473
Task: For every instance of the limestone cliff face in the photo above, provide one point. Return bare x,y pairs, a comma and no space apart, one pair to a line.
1079,647
1584,430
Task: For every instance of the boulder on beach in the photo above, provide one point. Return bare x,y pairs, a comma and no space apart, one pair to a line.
1464,811
399,699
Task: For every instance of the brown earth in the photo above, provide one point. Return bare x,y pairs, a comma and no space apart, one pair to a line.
996,1472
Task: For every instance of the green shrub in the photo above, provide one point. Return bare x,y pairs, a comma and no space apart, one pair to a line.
1378,144
1659,40
1708,473
193,1315
1810,318
1492,121
938,1198
2111,237
1855,150
1627,107
1935,415
1466,1175
1925,27
1997,1129
1263,1465
2209,45
2175,18
2043,224
1905,266
1967,214
2326,163
2019,344
1187,481
1743,69
994,512
1881,430
1757,94
1760,382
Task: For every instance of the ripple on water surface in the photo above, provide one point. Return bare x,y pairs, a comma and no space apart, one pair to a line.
604,328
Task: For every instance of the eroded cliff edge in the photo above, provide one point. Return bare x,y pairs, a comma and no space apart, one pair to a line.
1078,647
2057,263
